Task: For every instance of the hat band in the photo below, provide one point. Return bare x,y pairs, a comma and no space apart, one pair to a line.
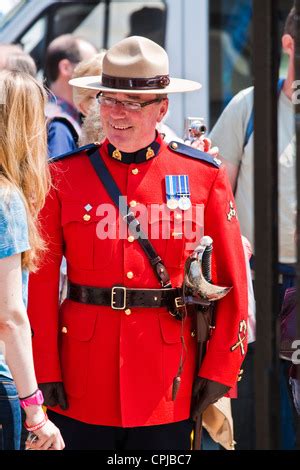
126,83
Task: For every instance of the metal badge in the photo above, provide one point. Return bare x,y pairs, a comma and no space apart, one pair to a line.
184,203
150,153
232,211
117,154
172,203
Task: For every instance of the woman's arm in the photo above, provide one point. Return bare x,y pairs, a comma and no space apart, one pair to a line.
14,326
15,332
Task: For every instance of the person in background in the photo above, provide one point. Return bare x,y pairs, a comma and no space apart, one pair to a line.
62,56
12,57
86,103
233,134
6,50
24,182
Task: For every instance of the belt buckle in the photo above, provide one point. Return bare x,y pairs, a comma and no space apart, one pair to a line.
179,303
113,302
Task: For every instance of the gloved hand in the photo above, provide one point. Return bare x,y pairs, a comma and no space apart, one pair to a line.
205,392
54,394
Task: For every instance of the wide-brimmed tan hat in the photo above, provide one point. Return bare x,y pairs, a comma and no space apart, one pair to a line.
136,65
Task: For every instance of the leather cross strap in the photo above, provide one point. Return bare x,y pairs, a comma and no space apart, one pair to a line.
115,194
120,298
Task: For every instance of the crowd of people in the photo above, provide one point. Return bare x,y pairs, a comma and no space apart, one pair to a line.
102,319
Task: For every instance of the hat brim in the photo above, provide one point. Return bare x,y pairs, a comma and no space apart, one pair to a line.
176,85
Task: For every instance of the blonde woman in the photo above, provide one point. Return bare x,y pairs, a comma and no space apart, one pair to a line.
24,182
85,101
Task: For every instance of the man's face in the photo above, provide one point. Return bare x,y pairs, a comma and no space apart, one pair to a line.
131,130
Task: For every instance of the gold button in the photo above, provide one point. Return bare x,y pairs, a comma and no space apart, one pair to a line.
133,203
193,333
135,171
130,274
64,329
178,216
174,146
86,217
127,311
96,143
130,238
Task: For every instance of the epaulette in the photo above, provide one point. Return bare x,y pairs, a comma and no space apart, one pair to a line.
74,152
192,152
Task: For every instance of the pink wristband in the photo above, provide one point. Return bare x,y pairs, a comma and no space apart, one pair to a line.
36,426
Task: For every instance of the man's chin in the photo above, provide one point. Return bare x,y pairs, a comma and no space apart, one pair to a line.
122,145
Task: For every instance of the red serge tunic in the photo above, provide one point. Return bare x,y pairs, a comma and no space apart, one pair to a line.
118,366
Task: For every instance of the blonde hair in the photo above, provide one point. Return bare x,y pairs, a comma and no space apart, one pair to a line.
23,150
91,129
85,68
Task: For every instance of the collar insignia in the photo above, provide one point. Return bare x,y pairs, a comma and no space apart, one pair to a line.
150,153
117,154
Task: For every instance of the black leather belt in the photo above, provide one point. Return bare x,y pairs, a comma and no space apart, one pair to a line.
120,298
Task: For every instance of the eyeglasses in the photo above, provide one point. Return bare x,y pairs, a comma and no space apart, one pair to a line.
129,105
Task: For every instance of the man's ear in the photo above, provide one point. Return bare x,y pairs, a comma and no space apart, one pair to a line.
65,68
164,106
288,44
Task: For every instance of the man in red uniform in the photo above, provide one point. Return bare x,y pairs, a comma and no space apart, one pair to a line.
106,358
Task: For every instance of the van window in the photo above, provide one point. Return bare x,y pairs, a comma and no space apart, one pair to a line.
230,42
8,10
101,22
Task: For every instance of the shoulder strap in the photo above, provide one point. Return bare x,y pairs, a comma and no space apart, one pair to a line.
66,123
115,194
73,152
250,125
192,152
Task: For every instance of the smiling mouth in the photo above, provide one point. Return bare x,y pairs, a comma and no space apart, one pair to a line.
120,128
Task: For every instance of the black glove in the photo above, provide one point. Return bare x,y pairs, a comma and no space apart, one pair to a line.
205,392
54,394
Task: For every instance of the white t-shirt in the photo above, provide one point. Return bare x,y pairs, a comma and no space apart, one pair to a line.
229,135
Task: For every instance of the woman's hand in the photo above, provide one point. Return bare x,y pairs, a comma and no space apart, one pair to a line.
204,144
47,436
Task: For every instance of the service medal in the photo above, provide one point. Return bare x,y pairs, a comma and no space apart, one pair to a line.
183,192
172,203
171,192
184,203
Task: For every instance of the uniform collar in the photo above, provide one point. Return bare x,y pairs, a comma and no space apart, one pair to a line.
139,156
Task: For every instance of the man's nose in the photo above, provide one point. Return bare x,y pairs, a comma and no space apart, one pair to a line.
118,109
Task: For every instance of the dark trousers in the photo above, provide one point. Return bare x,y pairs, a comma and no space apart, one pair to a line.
10,415
243,409
82,436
